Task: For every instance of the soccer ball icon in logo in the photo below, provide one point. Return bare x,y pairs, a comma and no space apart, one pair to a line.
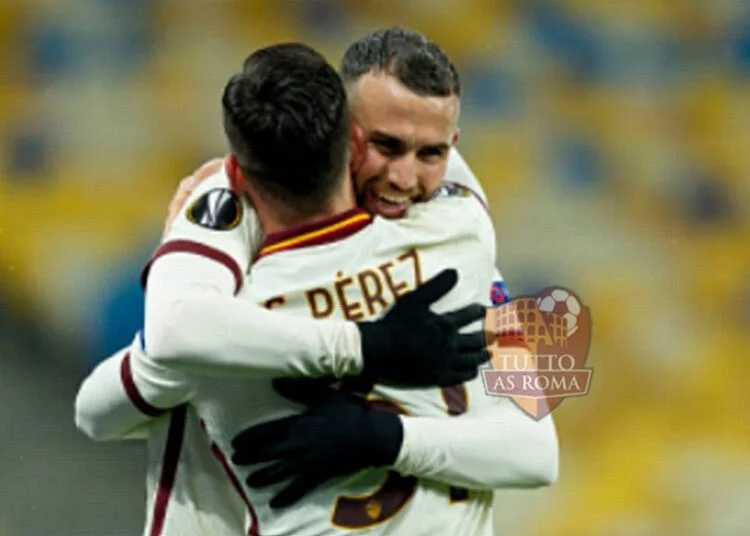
561,302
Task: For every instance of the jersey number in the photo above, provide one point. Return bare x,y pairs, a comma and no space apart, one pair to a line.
397,490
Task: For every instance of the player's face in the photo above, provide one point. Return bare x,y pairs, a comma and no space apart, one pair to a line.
407,138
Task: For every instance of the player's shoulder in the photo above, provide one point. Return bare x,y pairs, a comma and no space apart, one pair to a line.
452,216
451,190
452,202
214,223
214,212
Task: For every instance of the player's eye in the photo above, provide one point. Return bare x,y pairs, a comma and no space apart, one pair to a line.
388,147
432,154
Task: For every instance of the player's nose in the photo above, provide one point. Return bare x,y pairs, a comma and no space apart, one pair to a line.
402,173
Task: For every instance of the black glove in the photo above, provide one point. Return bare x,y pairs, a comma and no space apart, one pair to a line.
412,346
338,435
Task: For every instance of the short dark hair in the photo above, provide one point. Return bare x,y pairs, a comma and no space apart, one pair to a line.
286,120
416,61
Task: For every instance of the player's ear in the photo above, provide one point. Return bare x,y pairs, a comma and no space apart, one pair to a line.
357,148
456,135
234,174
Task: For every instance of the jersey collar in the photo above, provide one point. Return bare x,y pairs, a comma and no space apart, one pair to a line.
314,234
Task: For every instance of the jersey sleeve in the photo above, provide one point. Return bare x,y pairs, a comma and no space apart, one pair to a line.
213,334
125,393
498,447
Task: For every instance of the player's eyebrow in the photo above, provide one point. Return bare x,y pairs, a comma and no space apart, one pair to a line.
392,143
379,135
438,147
389,139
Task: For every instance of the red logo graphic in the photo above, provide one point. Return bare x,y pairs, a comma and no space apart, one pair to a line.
539,345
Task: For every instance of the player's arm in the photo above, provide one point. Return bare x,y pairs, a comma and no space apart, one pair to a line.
194,322
496,447
500,447
126,392
110,403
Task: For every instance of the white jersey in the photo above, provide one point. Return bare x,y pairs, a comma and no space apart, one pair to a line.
354,267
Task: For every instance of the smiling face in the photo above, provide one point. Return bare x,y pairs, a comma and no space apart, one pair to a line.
407,138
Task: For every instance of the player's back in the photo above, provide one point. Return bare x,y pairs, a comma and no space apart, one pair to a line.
355,267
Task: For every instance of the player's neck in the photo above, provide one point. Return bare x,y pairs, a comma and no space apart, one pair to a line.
280,219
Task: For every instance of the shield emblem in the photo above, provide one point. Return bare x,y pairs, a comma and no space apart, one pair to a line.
539,346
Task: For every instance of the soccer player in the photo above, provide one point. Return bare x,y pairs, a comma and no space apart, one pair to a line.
434,157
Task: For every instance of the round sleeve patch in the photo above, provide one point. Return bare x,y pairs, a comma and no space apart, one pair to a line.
218,209
451,189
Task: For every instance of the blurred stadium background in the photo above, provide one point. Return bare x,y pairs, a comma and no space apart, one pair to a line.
611,135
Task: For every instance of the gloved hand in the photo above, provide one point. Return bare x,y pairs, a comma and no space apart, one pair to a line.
413,346
339,434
